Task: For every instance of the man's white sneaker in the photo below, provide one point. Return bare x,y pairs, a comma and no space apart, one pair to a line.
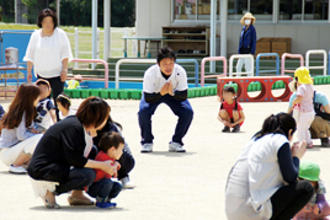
127,184
146,148
17,170
176,147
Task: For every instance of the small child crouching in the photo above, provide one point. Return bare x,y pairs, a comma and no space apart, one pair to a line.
318,207
231,112
104,189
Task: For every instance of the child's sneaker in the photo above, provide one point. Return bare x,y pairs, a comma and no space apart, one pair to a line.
105,205
17,170
325,142
310,145
113,204
176,147
226,129
236,129
146,148
127,184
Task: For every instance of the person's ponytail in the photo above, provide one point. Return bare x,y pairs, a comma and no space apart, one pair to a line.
281,123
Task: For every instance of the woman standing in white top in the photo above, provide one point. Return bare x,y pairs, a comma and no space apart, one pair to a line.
263,182
49,53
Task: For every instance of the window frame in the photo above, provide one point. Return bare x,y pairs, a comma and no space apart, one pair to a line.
275,16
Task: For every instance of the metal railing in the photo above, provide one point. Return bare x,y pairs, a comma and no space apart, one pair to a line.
325,58
277,59
106,69
196,68
292,56
118,78
121,61
238,56
207,59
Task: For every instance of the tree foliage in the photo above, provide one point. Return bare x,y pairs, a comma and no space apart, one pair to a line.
7,11
76,12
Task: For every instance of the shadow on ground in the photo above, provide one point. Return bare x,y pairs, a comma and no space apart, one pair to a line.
68,208
170,154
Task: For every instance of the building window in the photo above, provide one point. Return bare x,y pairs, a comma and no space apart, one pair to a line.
316,10
262,9
185,9
293,10
236,8
204,9
313,10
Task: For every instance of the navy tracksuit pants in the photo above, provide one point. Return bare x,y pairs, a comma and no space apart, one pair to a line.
182,109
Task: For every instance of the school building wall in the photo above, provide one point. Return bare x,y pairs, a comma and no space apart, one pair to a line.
152,15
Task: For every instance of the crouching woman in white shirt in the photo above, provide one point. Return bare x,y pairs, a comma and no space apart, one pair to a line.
18,139
49,52
263,182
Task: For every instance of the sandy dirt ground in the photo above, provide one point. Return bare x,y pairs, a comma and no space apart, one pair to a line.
169,185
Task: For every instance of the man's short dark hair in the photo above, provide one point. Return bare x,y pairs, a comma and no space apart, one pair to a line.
110,139
45,13
165,52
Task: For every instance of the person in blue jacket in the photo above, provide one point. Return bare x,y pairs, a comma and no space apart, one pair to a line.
247,42
2,112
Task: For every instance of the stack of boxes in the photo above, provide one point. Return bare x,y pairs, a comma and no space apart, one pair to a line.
278,45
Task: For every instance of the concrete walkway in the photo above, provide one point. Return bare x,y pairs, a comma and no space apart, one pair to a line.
169,185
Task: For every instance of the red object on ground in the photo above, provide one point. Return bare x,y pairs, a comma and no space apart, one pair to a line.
266,88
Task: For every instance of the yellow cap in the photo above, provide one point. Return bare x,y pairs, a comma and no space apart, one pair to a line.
302,73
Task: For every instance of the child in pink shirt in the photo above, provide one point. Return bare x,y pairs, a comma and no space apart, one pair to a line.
304,108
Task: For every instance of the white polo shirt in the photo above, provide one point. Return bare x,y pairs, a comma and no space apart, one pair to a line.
153,80
46,53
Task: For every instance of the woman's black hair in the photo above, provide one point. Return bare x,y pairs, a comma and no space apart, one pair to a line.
165,52
280,123
64,100
115,123
45,13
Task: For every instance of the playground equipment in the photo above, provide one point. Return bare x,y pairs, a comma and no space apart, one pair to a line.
121,61
238,56
196,67
151,61
106,69
325,58
207,59
266,88
329,62
292,56
277,59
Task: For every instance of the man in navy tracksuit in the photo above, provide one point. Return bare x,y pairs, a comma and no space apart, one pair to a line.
165,82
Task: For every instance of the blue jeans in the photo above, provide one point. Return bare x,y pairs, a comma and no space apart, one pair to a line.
104,190
182,109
